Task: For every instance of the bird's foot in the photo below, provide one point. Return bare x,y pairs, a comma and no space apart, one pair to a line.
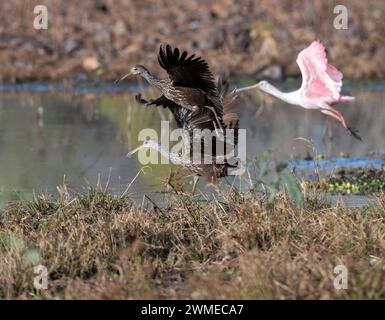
142,101
354,133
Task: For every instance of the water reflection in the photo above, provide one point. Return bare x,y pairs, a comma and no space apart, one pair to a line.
45,138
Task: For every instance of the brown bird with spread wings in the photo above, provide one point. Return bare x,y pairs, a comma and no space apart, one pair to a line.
190,87
194,98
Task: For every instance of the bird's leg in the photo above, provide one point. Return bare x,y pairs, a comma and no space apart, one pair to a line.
216,117
218,133
327,132
337,115
221,133
195,181
142,101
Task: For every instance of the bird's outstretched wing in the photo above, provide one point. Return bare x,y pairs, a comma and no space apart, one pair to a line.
320,80
179,113
187,71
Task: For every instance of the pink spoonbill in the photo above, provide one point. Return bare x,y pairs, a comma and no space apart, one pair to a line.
321,85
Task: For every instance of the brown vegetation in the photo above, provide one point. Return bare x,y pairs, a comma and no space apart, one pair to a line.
105,37
239,247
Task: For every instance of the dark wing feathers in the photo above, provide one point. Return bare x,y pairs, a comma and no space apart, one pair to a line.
187,71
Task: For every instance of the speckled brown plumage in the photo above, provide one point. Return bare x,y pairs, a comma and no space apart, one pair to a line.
196,102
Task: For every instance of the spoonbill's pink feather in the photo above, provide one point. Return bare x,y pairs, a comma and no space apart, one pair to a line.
334,73
321,82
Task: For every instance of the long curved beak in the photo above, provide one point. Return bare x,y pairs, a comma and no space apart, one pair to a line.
133,151
257,85
124,77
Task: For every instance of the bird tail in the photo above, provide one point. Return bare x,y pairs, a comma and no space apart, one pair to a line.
346,99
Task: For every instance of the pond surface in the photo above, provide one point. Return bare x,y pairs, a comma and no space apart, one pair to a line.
50,136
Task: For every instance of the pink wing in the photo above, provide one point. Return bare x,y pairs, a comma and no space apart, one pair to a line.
321,81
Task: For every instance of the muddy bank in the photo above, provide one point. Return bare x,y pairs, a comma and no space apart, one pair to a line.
101,39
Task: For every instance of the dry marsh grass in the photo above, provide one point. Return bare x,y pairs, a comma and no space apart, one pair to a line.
100,246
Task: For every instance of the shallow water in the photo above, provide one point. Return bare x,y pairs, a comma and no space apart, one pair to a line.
50,134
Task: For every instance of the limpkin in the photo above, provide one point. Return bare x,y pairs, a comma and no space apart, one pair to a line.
189,89
219,165
201,118
196,103
216,166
